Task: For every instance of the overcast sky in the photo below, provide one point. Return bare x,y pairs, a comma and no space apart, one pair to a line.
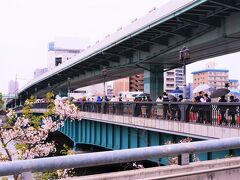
28,25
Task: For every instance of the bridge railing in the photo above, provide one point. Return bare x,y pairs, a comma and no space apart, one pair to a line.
217,114
118,156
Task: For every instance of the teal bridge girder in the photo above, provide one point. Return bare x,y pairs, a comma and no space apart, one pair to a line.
209,28
105,128
116,137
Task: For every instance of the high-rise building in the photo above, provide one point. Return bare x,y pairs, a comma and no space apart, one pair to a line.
121,85
13,87
39,72
173,79
215,77
132,83
136,82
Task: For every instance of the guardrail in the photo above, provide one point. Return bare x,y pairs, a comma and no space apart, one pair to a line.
216,114
117,156
227,114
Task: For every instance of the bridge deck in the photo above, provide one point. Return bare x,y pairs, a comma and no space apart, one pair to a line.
206,122
203,131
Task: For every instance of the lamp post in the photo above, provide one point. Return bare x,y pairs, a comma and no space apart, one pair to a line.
184,55
104,74
68,87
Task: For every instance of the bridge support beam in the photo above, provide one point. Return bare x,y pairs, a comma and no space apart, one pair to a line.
153,81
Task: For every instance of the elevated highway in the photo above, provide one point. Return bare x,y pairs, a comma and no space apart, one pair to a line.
151,45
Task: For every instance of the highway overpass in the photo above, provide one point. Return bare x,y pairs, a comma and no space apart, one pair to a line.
151,45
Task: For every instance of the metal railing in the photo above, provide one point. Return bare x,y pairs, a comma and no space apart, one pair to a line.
215,114
117,156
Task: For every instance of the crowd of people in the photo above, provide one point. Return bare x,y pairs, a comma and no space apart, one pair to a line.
167,107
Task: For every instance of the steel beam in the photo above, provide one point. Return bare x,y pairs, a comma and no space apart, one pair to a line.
225,5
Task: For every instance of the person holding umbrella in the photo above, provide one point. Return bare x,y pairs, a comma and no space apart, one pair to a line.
221,92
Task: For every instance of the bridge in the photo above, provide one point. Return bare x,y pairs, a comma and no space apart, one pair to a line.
120,125
150,45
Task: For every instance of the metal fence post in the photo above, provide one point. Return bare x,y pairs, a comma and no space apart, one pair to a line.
183,159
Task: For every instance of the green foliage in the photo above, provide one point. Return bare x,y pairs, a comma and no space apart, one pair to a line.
27,107
229,156
1,101
4,178
46,175
51,106
22,146
65,150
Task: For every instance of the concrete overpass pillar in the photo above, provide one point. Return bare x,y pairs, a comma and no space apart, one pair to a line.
63,92
153,81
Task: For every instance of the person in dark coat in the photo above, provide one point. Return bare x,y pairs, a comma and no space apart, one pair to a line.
200,108
173,108
232,110
149,107
222,109
180,99
208,109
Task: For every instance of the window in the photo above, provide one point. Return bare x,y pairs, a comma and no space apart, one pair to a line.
58,60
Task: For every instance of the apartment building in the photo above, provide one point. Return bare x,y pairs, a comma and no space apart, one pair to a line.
173,79
215,77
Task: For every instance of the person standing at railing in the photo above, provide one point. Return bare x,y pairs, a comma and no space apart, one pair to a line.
149,107
173,108
208,109
137,109
159,106
200,99
99,101
180,99
120,104
165,106
222,109
105,105
113,101
144,107
232,110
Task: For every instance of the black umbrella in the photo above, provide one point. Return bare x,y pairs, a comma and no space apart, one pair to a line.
219,92
171,97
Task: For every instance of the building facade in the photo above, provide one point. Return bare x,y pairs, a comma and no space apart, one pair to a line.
133,83
136,82
173,79
58,55
233,83
215,77
39,72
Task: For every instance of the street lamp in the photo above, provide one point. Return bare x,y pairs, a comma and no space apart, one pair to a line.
184,55
68,87
104,74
